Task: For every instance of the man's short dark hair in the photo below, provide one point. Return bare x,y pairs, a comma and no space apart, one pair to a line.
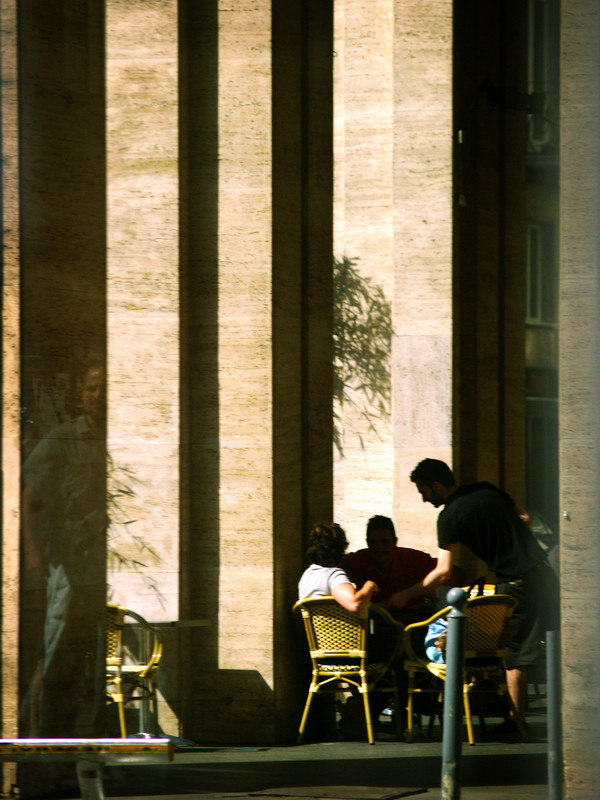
381,523
432,470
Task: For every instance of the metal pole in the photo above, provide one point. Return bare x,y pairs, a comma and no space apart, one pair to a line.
453,696
553,711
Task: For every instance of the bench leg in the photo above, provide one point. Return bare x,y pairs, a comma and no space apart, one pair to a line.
89,777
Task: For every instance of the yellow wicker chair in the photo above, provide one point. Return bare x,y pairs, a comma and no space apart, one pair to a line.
487,623
337,642
130,678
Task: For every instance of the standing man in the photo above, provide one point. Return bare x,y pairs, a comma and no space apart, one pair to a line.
486,520
64,552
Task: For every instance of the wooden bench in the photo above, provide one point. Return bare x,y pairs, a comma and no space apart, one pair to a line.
89,756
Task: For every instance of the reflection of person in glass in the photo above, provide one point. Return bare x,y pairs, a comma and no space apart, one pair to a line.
64,545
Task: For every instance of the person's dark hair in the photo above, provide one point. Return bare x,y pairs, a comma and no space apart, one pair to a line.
432,470
381,523
327,544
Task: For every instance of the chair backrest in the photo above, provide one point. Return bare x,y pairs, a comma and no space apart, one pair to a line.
115,624
114,631
331,630
487,626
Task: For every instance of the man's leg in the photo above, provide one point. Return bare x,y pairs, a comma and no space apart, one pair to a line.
516,682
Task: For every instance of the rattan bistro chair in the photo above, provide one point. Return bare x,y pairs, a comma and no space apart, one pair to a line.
338,643
487,623
129,677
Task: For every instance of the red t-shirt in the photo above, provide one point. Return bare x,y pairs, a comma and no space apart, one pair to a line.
409,566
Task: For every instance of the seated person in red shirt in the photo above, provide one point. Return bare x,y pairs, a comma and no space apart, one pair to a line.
392,568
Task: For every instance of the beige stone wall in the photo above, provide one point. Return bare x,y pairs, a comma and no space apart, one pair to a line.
364,230
422,351
393,114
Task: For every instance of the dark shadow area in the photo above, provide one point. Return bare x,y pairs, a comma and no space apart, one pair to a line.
199,391
302,281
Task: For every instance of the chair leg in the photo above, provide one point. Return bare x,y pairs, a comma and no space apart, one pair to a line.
365,693
435,714
121,710
153,705
120,702
397,715
481,715
89,778
409,709
309,699
467,705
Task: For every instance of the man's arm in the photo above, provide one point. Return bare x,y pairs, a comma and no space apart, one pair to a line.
32,554
441,573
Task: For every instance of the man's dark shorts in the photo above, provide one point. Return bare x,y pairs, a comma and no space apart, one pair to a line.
537,611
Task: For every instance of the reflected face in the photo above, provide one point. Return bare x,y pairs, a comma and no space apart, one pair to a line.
93,396
430,495
381,546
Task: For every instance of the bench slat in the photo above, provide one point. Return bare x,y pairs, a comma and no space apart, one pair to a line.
106,750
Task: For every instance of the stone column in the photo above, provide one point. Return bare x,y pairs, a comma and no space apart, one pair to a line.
579,390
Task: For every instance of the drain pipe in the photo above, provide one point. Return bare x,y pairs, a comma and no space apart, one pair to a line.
553,694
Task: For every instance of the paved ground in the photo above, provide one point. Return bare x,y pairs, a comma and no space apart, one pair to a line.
341,770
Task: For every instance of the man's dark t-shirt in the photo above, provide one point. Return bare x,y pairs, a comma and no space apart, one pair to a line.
483,518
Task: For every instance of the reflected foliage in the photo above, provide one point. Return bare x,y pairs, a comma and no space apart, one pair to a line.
124,545
362,343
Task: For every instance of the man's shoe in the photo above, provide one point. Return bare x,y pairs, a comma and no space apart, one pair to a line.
510,730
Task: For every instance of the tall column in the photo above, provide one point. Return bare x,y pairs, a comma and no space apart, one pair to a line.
256,263
422,311
579,422
9,140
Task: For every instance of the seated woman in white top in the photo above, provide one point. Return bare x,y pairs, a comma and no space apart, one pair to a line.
326,547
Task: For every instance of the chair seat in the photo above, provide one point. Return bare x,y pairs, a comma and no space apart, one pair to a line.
132,670
370,668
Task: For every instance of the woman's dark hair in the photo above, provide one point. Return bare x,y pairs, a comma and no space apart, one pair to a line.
327,544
